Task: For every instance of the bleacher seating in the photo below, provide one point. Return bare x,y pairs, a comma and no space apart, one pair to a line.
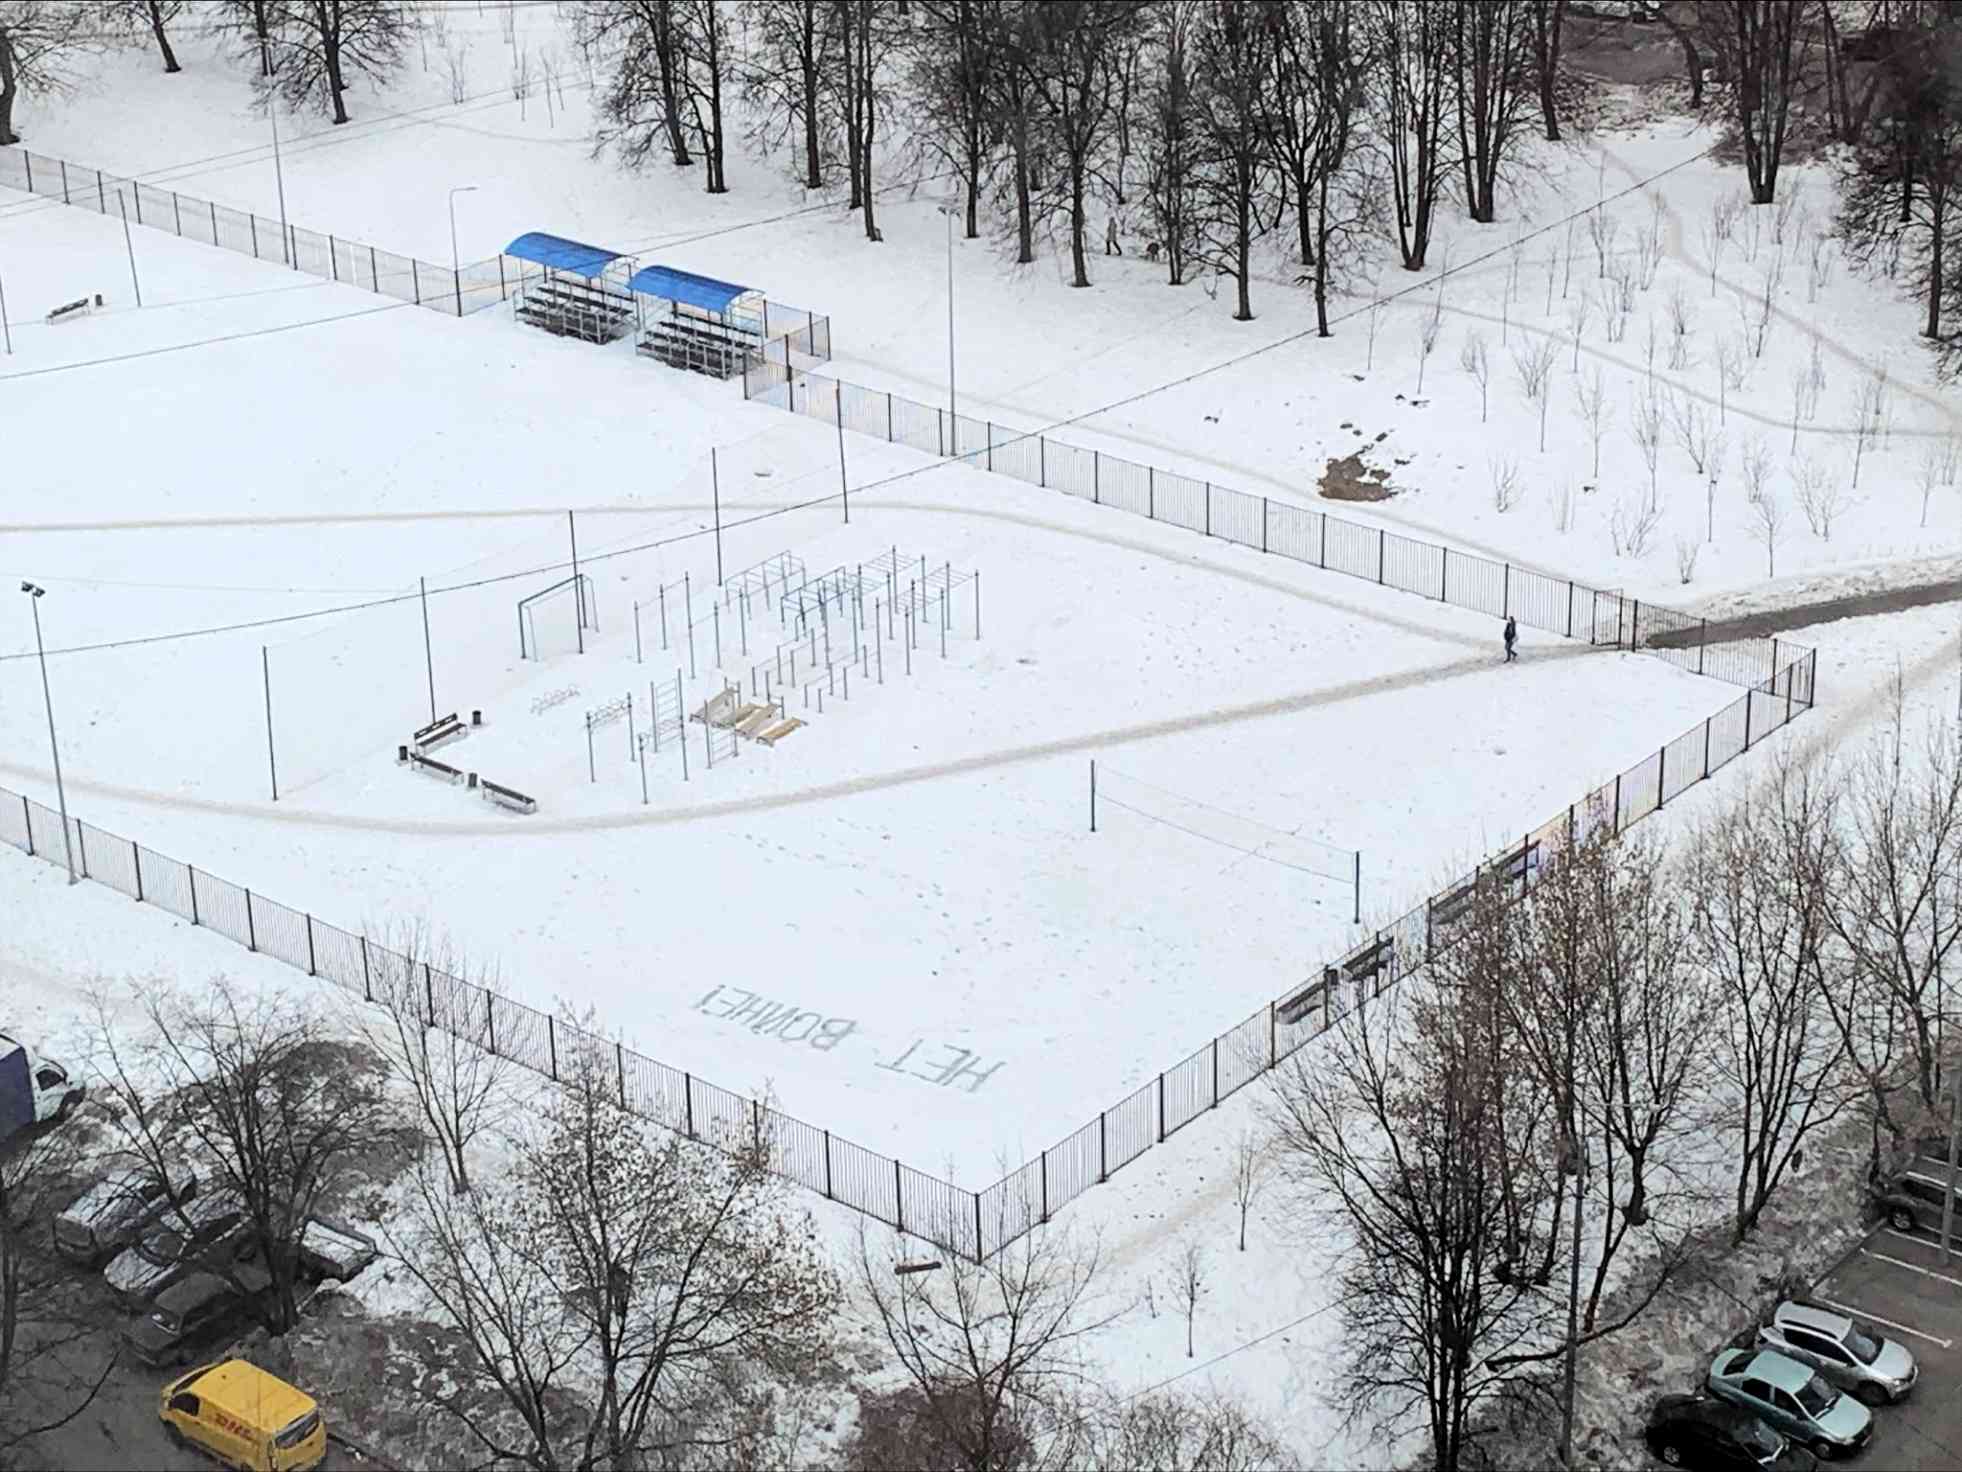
572,308
719,349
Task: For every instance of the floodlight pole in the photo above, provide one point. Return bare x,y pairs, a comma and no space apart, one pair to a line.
456,263
279,178
844,487
5,330
578,595
34,596
953,417
129,245
715,486
428,651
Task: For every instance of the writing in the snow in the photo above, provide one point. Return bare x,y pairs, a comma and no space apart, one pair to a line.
945,1065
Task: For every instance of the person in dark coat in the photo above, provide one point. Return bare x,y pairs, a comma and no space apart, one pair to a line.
1512,638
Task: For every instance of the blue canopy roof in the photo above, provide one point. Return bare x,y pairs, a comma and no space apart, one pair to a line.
686,287
561,254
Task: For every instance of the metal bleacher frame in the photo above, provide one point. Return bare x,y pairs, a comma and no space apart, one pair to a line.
717,341
588,301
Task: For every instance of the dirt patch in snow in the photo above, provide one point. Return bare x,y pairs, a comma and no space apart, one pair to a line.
1350,478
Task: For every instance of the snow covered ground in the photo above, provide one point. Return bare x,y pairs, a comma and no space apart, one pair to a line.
915,869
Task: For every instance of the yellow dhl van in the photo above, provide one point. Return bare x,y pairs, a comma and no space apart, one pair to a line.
245,1418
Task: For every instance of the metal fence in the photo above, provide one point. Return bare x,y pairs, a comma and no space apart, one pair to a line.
967,1222
1557,605
455,292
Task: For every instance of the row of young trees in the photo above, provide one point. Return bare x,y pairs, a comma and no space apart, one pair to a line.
1641,1047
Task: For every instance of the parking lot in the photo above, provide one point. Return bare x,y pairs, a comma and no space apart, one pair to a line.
1901,1284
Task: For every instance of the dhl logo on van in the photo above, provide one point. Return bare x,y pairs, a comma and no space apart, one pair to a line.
232,1424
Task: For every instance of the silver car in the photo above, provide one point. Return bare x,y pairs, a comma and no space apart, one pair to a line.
1877,1370
206,1231
119,1208
1792,1399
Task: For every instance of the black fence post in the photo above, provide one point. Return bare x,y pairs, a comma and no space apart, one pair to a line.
1161,1108
1273,1042
1045,1185
1209,508
827,1180
688,1110
1706,749
1321,556
415,278
312,969
1215,1072
976,1197
1042,471
1097,478
1747,720
191,869
1505,597
1263,523
251,931
1103,1146
428,996
374,271
1702,639
888,417
27,824
620,1067
82,846
1570,611
1661,774
552,1043
367,987
136,861
1444,575
1382,546
1617,802
176,213
898,1199
1151,494
490,1019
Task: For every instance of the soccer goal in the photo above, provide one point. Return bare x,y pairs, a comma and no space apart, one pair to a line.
556,620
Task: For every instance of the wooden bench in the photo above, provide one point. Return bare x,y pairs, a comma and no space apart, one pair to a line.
508,797
719,711
68,311
434,768
437,732
753,720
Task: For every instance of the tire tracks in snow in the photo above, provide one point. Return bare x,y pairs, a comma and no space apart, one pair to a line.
1218,716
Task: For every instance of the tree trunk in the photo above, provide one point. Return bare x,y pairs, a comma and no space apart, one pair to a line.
971,224
1938,224
163,41
9,89
870,121
1024,209
1078,259
665,45
330,55
1547,21
813,160
1243,252
1304,211
1321,258
717,183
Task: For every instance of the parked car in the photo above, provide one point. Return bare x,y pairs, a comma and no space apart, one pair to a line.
1913,1198
1852,1357
245,1417
118,1209
1701,1434
1792,1399
207,1231
190,1314
33,1089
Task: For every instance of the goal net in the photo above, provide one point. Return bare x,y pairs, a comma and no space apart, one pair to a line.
557,619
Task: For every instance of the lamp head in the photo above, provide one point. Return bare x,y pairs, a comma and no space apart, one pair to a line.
31,590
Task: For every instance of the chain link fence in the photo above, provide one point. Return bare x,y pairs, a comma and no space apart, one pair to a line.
453,291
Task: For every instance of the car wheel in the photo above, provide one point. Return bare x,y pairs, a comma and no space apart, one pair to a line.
1824,1450
1671,1454
68,1103
1900,1219
176,1436
1871,1395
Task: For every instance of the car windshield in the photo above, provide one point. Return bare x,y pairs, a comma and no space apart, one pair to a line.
1865,1348
299,1431
1815,1397
163,1248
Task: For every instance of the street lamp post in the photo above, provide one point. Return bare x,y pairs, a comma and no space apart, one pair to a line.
953,416
34,596
456,264
279,177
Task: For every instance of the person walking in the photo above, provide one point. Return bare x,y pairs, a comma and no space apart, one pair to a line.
1512,638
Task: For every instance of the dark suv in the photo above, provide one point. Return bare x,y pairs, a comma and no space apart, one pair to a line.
1913,1197
1703,1434
191,1313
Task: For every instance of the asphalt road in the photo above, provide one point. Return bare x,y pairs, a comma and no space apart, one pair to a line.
1901,1284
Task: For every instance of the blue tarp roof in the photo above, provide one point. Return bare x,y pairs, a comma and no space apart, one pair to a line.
561,254
685,286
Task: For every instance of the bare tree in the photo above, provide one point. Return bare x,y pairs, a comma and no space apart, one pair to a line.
1232,53
1869,416
792,58
262,1090
1074,57
1645,425
1765,48
1473,358
1760,922
1413,46
1249,1175
1602,228
1180,1433
1591,395
1768,527
1409,1140
324,42
1533,361
1719,230
1754,459
648,1276
1819,494
1687,549
1324,45
1504,474
1579,310
991,1351
1190,1285
1938,468
1427,335
1689,422
1493,52
134,17
256,24
1548,19
456,68
50,1372
1632,525
1171,149
40,43
436,1032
